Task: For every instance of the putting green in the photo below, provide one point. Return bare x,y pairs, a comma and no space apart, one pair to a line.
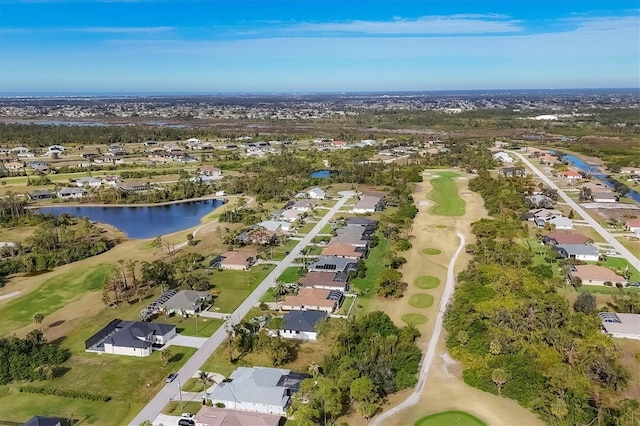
426,282
421,300
450,418
415,319
431,251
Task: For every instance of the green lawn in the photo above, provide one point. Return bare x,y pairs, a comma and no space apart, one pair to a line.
235,286
291,275
313,250
450,418
130,381
187,326
375,265
175,408
327,229
445,195
55,293
603,289
306,228
415,319
279,252
426,282
346,305
421,300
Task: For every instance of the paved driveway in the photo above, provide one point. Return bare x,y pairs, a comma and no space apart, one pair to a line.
190,341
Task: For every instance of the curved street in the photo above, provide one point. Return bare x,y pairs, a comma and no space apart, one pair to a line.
433,342
168,391
624,252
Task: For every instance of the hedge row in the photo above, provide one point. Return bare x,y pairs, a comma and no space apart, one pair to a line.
66,393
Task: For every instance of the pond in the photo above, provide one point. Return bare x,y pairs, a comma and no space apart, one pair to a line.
321,174
143,222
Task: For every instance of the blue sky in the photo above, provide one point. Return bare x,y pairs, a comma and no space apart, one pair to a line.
75,46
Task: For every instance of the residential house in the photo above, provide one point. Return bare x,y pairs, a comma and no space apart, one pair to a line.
316,194
71,193
325,280
40,194
291,215
549,160
512,172
115,150
630,170
235,260
583,252
333,264
633,225
369,204
186,158
19,150
131,338
503,157
302,205
369,224
134,186
183,302
46,421
276,225
111,181
13,165
346,251
571,175
214,416
301,325
540,201
558,222
595,275
150,143
352,239
258,389
555,238
621,326
604,197
543,214
210,171
90,182
314,299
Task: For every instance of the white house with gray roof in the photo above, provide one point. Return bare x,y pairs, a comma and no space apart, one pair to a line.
584,252
258,389
130,338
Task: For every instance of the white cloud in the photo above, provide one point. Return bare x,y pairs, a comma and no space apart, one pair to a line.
426,25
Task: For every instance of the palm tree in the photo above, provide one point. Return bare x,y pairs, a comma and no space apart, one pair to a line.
499,377
38,318
204,377
559,409
314,369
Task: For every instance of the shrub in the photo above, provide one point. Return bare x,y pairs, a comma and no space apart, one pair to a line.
90,396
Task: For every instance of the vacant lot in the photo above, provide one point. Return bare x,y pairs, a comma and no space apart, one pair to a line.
291,275
235,286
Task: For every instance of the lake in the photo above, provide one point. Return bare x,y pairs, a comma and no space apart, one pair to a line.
143,222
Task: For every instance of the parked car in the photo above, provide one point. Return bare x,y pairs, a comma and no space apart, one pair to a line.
171,377
187,415
186,422
636,284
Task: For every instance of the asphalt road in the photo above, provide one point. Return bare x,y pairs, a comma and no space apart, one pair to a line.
624,252
433,343
162,398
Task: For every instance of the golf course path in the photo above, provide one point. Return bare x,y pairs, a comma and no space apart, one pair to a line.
431,350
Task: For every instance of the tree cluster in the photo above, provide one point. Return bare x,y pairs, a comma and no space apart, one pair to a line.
516,335
372,358
28,359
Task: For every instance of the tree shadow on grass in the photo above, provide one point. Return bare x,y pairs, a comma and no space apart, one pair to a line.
56,323
177,357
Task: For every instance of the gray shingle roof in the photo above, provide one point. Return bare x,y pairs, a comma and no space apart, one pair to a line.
303,320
